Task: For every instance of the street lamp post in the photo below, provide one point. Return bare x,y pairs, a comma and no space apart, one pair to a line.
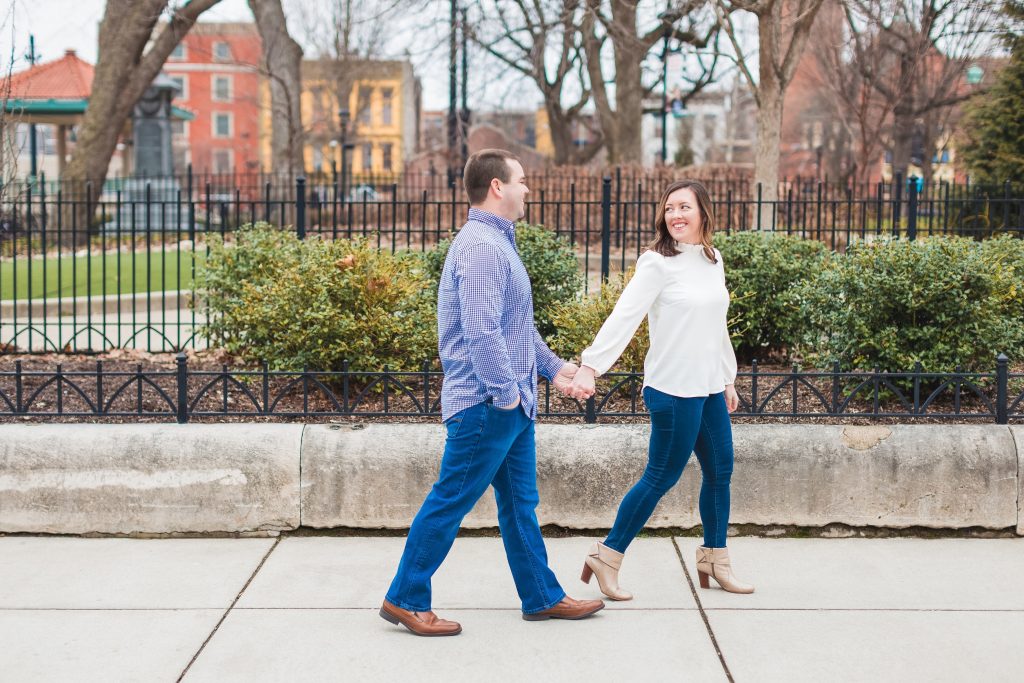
452,87
664,94
343,121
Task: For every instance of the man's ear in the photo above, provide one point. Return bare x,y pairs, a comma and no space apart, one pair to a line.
496,187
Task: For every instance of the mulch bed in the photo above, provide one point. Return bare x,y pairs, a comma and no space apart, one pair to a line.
153,400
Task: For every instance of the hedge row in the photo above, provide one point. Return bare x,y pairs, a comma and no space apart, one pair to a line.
943,302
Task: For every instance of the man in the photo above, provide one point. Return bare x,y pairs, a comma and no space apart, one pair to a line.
491,354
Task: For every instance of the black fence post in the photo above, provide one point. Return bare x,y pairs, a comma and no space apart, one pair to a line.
300,207
1002,382
1006,205
606,225
912,208
590,417
19,389
897,203
182,360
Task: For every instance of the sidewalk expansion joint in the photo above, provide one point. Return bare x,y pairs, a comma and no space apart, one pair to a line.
230,607
703,614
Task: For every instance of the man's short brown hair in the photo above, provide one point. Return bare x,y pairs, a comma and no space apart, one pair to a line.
482,168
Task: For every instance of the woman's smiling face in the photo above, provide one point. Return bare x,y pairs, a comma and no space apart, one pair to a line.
682,216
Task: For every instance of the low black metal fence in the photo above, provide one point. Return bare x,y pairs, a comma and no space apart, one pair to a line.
183,393
87,273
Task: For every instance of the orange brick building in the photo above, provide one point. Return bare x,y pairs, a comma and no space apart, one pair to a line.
216,67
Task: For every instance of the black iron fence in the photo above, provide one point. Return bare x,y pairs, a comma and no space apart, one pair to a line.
94,271
183,393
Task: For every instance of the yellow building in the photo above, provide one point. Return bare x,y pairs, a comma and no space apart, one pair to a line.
383,101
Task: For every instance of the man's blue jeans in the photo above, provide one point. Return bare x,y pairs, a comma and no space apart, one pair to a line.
486,446
680,426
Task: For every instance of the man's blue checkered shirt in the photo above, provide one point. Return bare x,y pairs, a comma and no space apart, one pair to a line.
488,344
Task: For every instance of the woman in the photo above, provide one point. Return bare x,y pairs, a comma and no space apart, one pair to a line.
688,382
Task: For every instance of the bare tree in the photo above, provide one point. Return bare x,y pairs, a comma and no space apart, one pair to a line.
914,54
8,120
282,64
863,115
539,40
618,26
346,37
124,69
783,27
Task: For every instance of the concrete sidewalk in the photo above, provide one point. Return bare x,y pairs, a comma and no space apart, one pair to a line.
304,608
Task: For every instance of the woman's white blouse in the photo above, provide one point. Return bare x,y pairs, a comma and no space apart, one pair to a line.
686,301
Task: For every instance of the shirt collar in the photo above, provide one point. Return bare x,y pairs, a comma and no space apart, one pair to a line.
488,218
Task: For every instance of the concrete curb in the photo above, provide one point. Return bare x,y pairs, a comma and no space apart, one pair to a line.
112,304
148,478
161,478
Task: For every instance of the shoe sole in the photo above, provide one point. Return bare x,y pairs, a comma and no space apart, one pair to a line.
544,617
388,616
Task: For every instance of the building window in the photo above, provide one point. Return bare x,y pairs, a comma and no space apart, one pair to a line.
368,157
222,125
386,95
179,130
221,52
318,159
182,82
178,53
223,161
365,92
385,153
222,88
319,109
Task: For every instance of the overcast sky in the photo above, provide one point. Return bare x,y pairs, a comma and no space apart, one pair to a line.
73,24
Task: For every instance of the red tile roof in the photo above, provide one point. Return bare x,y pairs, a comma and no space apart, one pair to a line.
67,78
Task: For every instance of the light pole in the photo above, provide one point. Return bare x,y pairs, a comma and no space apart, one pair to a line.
343,121
452,87
33,152
464,112
664,93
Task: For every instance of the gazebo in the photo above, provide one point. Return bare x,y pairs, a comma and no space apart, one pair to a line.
57,93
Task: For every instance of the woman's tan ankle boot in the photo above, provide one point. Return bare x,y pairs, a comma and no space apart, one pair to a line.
604,562
714,562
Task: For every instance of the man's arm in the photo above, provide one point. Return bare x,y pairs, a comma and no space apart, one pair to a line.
483,274
548,364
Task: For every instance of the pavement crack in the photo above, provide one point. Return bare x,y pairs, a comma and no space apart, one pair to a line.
703,614
224,616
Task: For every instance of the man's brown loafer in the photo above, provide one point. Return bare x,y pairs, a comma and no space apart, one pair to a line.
420,623
567,609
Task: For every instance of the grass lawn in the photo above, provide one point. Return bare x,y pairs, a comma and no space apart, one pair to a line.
124,273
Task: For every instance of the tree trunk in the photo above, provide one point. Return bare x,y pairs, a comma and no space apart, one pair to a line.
282,62
766,156
629,89
629,106
122,75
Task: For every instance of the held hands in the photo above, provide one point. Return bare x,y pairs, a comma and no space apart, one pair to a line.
566,381
582,386
732,399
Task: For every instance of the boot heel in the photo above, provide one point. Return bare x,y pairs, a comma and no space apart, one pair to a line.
704,583
388,616
587,573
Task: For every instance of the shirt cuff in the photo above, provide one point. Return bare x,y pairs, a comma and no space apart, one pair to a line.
549,367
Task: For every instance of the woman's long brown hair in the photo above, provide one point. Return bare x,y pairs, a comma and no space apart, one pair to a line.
663,242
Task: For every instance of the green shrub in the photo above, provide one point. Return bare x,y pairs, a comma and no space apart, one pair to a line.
320,303
576,323
939,301
763,272
259,251
550,262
